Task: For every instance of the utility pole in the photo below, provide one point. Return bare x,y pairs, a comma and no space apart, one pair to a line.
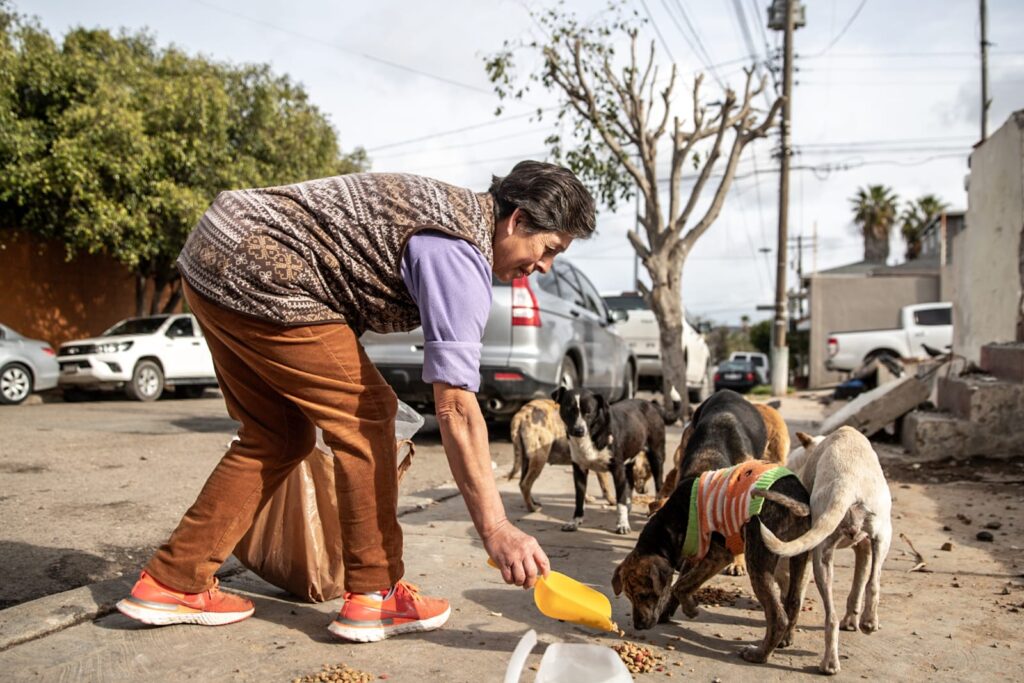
985,102
780,352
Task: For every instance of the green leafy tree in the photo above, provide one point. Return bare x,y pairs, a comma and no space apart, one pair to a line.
916,216
874,212
111,144
761,336
619,116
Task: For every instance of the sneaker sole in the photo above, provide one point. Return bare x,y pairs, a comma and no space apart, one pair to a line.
178,614
376,633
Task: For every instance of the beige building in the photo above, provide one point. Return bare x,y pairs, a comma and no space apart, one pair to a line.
988,270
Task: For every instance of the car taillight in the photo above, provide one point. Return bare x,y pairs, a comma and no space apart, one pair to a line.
718,376
833,346
525,311
48,351
750,377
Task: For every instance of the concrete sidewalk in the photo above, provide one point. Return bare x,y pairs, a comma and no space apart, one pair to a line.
77,636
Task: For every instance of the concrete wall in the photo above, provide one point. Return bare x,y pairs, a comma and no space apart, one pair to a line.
841,303
986,270
44,296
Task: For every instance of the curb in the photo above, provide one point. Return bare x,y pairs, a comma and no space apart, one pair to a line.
49,614
41,617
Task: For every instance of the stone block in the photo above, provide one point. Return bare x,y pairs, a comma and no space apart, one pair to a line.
935,435
984,400
1005,361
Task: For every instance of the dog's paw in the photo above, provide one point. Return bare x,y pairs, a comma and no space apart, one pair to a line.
573,525
589,499
735,569
850,622
829,666
689,607
622,529
786,641
754,654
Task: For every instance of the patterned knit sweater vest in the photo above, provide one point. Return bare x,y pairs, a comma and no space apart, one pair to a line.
721,501
327,250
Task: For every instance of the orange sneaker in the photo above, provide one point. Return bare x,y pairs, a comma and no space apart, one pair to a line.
366,619
151,602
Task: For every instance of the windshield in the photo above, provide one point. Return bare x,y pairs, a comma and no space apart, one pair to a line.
626,303
136,326
735,365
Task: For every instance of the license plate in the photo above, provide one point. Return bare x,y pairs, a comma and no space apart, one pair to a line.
70,370
732,375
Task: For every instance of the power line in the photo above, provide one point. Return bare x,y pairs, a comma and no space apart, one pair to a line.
650,17
453,131
842,32
342,48
696,45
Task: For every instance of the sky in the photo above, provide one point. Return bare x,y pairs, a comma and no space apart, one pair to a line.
886,92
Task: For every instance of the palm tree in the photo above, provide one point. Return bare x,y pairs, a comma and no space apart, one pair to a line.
917,216
874,210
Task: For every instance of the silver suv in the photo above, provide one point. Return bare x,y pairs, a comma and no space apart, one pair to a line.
548,330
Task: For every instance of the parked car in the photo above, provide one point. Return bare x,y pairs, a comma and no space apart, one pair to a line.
142,356
919,325
547,330
758,360
640,328
738,375
26,365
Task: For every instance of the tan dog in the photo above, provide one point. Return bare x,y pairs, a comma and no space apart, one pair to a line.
776,450
851,506
538,436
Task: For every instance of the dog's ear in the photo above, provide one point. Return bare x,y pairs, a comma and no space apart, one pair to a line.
617,579
661,575
557,394
806,439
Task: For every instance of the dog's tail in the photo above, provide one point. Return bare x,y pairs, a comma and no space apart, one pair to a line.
518,452
823,526
671,415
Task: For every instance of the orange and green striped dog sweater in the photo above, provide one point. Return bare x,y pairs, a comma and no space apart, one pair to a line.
721,501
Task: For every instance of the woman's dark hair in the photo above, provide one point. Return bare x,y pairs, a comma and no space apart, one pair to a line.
552,198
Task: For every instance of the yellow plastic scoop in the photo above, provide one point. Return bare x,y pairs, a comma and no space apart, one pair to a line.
561,597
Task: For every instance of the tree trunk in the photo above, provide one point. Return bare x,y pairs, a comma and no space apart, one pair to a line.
174,298
667,304
876,249
1020,305
140,295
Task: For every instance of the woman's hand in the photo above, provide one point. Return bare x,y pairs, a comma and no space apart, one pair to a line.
518,555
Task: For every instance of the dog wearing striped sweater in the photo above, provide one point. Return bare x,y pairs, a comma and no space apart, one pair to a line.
703,525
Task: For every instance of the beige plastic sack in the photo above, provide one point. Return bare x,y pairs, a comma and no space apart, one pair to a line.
295,540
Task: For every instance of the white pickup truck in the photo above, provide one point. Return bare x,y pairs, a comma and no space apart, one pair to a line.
920,324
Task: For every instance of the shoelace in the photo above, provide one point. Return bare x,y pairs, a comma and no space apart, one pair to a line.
412,590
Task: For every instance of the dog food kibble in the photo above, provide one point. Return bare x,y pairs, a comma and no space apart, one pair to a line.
338,672
716,596
638,659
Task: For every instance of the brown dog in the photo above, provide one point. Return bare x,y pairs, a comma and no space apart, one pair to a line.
645,575
776,450
538,436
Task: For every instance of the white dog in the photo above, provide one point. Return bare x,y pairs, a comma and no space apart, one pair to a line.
851,506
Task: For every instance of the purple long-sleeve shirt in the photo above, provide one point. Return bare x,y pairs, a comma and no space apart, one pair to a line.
450,281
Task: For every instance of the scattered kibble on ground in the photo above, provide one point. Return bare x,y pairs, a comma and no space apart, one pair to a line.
337,672
638,659
709,595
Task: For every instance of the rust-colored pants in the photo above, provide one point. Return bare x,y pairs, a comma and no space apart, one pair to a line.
279,382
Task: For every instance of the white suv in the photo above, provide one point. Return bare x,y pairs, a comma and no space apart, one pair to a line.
141,355
640,328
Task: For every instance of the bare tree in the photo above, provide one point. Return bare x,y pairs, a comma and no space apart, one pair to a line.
622,117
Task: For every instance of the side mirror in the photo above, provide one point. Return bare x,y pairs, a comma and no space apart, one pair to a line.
704,327
618,316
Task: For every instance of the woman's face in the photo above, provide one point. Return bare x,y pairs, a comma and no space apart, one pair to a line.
517,253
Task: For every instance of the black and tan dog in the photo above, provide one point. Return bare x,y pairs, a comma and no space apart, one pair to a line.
538,437
607,437
645,575
776,448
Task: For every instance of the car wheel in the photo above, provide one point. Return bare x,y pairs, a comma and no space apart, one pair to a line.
147,382
15,384
569,376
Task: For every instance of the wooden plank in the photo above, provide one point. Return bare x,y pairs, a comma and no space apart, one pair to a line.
872,410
